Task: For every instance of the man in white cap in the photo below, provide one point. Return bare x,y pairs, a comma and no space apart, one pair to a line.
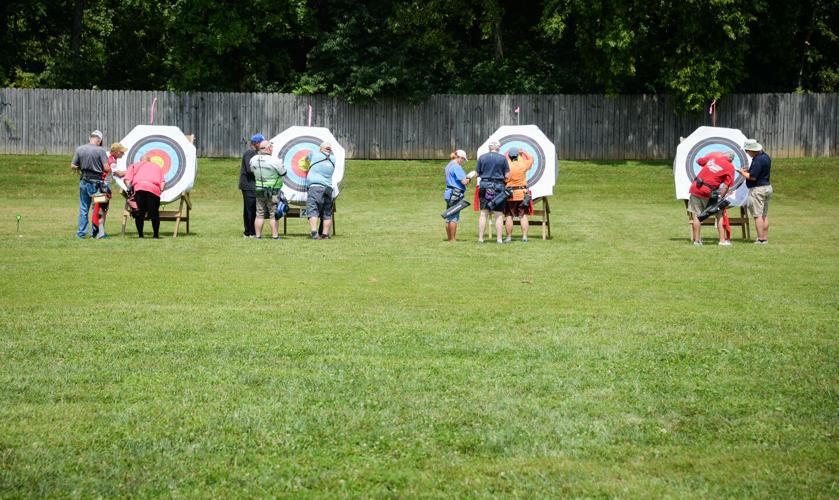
319,201
91,163
456,182
760,190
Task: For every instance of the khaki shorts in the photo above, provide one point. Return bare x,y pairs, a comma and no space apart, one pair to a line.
696,204
759,201
266,206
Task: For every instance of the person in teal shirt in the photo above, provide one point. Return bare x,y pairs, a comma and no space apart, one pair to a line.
319,201
268,172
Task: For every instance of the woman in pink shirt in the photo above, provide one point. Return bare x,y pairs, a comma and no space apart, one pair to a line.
146,179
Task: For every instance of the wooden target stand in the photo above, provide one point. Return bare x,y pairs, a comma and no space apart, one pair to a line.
299,212
176,216
541,217
742,221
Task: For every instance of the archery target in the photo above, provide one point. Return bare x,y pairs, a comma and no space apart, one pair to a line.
542,175
169,149
292,146
700,143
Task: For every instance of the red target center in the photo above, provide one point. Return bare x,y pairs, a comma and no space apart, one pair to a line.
295,162
161,159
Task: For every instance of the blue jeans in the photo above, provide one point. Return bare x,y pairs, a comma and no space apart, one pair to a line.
86,190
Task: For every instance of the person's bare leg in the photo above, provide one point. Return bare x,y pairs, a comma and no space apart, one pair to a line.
327,227
275,231
499,226
721,230
257,225
313,224
448,231
482,224
453,231
762,227
508,226
695,229
525,225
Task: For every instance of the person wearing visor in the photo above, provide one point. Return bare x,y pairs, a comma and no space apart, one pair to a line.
268,173
319,203
456,182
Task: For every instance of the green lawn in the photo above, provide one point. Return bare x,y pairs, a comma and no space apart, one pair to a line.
614,360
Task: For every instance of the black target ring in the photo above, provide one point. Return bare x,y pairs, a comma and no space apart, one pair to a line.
178,162
540,154
722,141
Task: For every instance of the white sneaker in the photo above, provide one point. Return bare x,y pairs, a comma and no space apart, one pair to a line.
764,242
508,239
697,243
726,243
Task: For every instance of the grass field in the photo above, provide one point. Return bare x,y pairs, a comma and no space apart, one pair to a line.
614,360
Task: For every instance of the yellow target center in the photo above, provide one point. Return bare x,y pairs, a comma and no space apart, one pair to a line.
157,161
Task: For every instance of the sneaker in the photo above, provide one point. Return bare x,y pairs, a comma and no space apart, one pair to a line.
697,243
761,242
276,237
508,239
500,242
725,243
102,236
480,242
324,236
524,240
314,237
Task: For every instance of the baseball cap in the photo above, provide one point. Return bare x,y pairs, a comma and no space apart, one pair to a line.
325,144
97,133
118,147
257,138
461,154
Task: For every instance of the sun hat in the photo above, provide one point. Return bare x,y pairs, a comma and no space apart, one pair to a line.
118,147
98,134
752,145
257,138
461,154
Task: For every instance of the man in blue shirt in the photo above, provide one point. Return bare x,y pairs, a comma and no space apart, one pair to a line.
760,190
319,193
493,170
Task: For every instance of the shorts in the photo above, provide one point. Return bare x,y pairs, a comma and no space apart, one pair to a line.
319,202
696,204
450,203
514,208
486,194
266,206
759,197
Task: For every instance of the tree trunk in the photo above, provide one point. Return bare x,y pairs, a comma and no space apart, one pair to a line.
76,42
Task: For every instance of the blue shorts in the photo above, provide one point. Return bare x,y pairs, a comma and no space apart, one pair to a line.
449,203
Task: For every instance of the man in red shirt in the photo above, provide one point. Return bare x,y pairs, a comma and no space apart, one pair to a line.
717,173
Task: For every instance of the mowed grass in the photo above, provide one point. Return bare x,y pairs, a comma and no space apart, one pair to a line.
613,360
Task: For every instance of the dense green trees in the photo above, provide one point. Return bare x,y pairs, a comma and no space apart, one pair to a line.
694,49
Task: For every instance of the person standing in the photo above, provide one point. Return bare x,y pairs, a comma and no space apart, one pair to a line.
493,170
247,185
100,210
760,190
456,182
268,173
319,201
91,163
147,181
516,205
717,174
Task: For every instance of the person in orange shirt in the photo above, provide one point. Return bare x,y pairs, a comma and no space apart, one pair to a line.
520,163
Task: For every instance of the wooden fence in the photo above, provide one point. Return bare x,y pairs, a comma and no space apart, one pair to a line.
596,127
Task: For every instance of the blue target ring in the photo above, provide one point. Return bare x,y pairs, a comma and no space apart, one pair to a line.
525,143
291,154
716,144
164,152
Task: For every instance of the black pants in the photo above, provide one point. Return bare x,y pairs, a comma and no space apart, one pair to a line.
249,211
148,204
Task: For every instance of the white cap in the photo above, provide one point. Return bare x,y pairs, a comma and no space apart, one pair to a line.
325,144
494,146
461,154
98,134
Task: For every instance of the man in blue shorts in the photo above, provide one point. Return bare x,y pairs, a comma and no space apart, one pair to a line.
493,170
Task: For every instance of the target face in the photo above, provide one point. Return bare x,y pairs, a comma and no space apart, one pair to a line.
700,143
169,149
292,154
541,177
292,146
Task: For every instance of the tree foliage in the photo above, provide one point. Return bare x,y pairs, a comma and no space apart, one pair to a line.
696,50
